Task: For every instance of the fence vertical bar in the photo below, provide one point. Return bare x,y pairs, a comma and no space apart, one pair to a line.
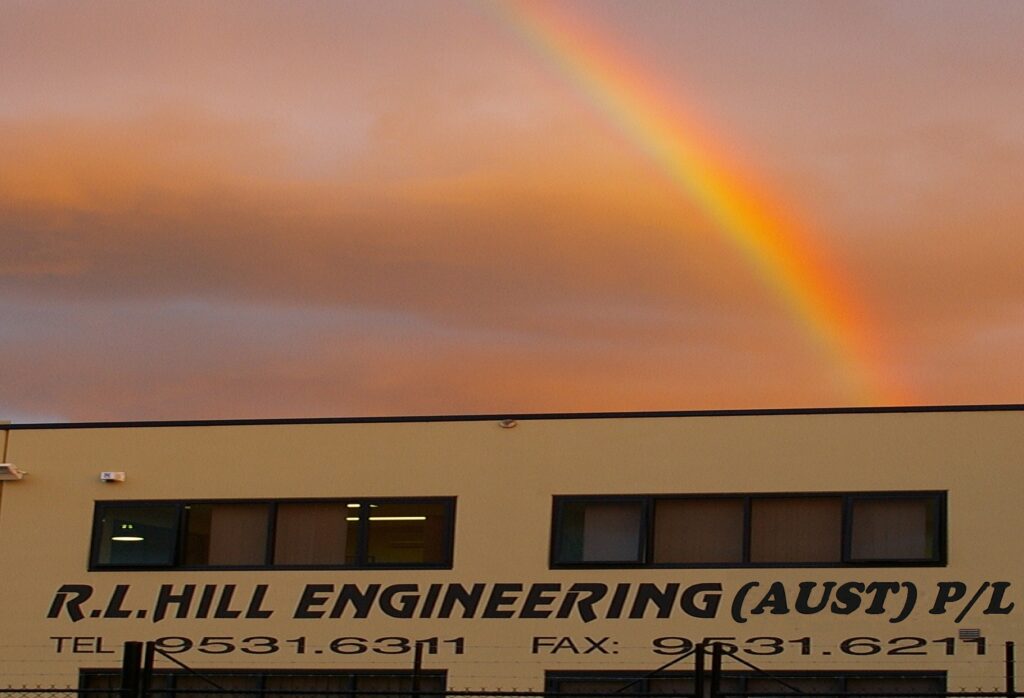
698,671
417,668
148,657
716,669
1011,673
131,666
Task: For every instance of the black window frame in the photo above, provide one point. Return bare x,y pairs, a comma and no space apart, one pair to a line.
178,557
164,681
642,687
647,533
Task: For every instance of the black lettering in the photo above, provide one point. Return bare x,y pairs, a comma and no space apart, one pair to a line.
166,598
500,597
618,601
78,593
596,645
430,600
774,600
592,593
737,602
708,608
565,643
407,600
224,609
880,590
909,604
254,610
311,597
60,641
539,641
457,594
361,600
847,598
206,601
803,597
83,645
995,603
647,594
948,592
114,609
539,595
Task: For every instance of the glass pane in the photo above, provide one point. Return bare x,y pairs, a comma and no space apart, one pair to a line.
893,529
759,686
226,534
395,685
730,686
314,534
206,686
896,685
796,529
407,533
600,532
672,686
140,535
311,686
598,686
698,530
99,685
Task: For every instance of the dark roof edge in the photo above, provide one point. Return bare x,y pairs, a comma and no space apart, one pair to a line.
519,417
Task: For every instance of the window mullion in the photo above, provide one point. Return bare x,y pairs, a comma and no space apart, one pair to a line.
648,532
746,529
847,528
182,537
268,558
363,548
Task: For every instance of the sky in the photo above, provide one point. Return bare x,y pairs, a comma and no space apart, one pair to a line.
402,207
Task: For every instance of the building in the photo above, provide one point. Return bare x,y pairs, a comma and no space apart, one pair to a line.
851,549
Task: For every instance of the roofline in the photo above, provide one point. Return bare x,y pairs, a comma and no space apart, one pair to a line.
518,417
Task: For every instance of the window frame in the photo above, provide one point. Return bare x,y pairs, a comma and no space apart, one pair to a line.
164,681
363,532
647,533
552,679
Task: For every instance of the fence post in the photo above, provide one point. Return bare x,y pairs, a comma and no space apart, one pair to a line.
417,667
131,665
1011,677
698,671
146,677
716,669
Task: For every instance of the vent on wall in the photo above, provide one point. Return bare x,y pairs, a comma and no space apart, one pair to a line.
9,471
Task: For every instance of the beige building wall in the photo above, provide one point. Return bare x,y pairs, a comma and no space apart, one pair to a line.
504,481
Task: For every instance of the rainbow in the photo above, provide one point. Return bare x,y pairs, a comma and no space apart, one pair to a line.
784,256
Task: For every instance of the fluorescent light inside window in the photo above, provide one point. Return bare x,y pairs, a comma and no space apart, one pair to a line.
389,518
128,539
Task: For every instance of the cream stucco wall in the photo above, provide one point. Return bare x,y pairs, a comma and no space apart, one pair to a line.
504,481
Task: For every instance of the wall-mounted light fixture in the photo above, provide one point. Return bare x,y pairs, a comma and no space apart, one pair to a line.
9,471
389,518
126,533
111,476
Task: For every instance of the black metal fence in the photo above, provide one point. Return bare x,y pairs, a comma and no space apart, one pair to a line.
138,678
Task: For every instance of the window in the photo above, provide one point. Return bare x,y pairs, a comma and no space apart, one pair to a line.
102,683
766,530
298,534
747,684
601,531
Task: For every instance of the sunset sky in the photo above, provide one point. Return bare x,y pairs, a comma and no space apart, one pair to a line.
298,209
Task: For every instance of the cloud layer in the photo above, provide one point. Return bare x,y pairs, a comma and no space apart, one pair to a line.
392,208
